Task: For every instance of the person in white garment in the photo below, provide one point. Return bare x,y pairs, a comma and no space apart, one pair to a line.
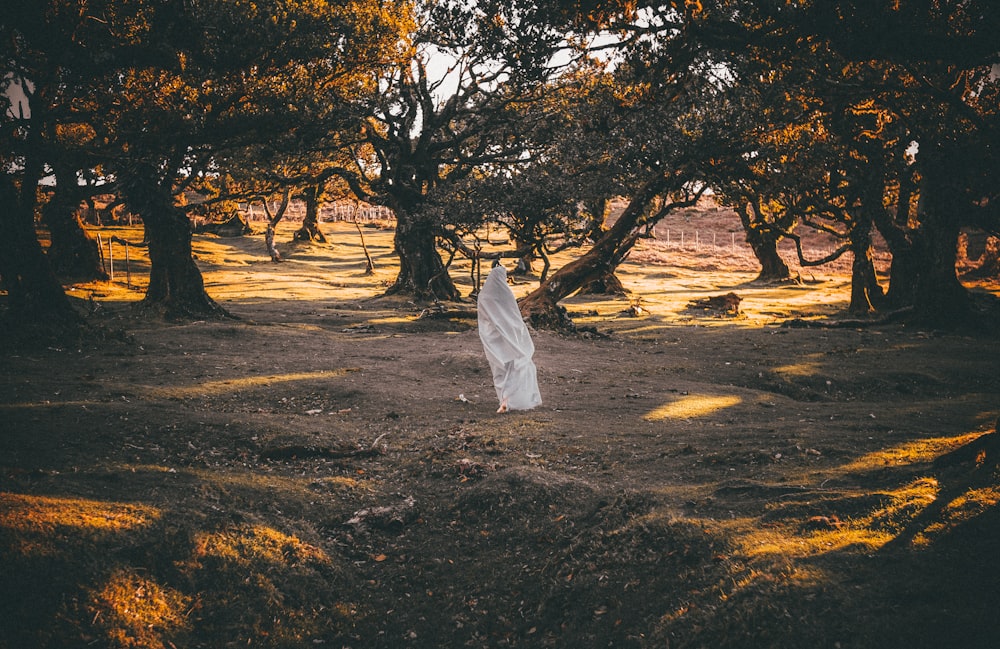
507,344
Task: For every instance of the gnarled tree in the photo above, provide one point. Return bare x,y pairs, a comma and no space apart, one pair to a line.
174,89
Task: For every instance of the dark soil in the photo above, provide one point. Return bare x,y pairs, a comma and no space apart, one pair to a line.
329,469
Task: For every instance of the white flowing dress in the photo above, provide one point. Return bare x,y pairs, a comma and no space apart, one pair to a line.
507,344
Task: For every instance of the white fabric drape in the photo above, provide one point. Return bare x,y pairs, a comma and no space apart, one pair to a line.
507,344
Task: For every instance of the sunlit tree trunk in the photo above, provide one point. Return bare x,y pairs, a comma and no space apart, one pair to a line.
272,249
524,267
606,284
310,224
176,286
541,306
273,218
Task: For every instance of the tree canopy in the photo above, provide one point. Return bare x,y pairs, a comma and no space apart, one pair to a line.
845,116
156,95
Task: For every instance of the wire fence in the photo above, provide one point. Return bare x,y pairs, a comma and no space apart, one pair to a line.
340,211
718,248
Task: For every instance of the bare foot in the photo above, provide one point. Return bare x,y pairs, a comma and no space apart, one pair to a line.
503,407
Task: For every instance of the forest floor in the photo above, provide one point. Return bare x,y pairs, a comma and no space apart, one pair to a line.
327,468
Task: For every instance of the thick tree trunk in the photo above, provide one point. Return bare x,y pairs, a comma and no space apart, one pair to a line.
599,211
37,303
939,298
866,292
904,267
764,244
310,224
606,284
73,253
421,271
922,274
176,286
904,271
524,263
765,248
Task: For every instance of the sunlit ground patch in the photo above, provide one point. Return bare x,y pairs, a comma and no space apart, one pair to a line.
801,577
258,585
695,405
132,610
902,513
256,485
40,521
914,452
805,368
972,503
863,532
391,320
226,386
253,544
787,541
342,482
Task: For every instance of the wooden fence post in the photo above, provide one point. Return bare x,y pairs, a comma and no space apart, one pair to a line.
128,269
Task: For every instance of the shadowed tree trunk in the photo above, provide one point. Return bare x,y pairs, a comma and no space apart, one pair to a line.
310,224
524,267
73,253
36,300
866,292
905,196
924,269
607,284
764,243
421,271
903,269
939,298
176,286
